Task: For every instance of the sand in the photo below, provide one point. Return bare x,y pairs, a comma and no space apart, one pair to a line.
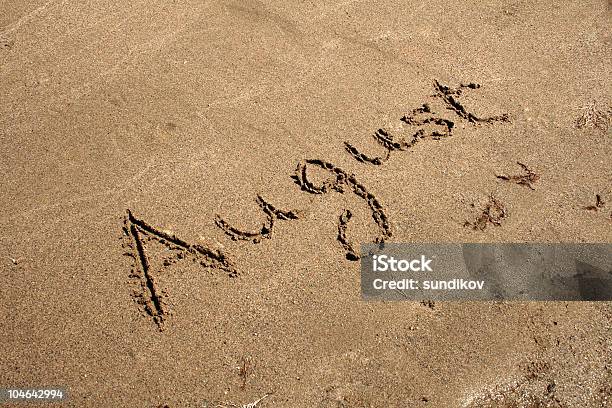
184,112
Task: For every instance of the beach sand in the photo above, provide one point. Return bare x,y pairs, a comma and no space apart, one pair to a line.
183,112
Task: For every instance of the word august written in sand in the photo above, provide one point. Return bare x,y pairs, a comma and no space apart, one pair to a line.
418,125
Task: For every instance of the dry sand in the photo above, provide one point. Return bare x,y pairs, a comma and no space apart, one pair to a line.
184,111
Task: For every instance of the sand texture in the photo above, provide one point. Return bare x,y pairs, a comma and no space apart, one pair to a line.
185,185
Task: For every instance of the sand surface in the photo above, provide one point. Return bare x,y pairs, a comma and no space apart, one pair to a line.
184,111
